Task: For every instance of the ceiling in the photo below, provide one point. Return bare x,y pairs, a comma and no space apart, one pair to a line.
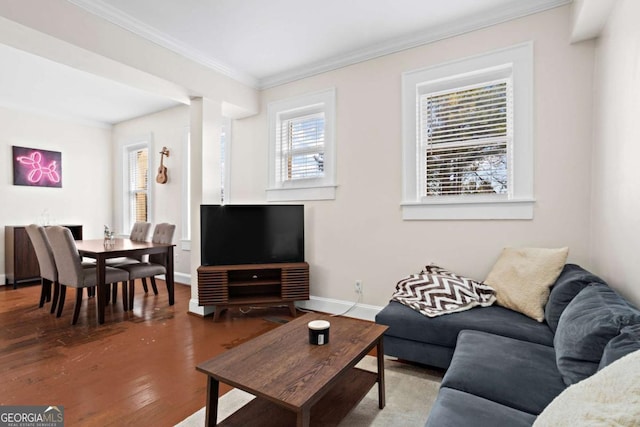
31,83
260,43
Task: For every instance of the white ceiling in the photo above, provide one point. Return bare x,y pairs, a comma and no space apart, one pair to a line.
35,84
258,42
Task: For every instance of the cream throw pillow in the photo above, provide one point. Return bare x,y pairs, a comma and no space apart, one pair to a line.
522,278
610,397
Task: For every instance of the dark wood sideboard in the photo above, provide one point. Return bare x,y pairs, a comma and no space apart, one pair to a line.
20,262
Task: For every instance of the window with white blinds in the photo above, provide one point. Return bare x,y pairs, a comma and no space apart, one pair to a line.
138,184
302,163
465,139
301,148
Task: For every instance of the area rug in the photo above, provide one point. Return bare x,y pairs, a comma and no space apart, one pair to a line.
410,392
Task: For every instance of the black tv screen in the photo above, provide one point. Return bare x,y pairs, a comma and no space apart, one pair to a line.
251,234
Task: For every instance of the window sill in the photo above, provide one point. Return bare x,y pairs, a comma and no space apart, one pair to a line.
462,210
327,192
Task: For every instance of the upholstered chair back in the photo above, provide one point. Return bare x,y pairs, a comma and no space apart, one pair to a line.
140,231
162,233
44,253
66,255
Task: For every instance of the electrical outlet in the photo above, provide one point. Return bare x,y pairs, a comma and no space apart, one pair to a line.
358,286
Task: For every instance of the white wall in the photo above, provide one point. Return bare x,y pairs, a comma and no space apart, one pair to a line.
615,241
361,235
167,129
85,196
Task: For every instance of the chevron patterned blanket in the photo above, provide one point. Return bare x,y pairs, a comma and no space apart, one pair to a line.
436,291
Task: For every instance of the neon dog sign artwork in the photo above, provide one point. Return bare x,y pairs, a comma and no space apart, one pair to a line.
37,168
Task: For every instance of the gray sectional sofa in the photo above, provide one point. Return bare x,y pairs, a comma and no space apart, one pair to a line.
504,368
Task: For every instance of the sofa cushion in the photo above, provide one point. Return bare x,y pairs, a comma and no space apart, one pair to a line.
455,408
610,397
590,321
518,374
627,341
436,292
571,281
408,324
522,277
419,352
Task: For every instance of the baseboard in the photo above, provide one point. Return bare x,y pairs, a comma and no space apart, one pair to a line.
3,279
183,278
333,306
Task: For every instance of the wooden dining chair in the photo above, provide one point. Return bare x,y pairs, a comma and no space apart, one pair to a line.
48,270
162,233
72,274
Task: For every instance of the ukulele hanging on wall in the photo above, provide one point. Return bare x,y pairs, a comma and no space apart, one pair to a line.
162,170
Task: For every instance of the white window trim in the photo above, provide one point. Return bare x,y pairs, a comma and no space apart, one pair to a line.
308,189
519,204
144,141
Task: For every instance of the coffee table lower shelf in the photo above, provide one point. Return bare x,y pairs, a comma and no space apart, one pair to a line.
328,411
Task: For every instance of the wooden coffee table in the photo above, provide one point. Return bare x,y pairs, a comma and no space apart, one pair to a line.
296,383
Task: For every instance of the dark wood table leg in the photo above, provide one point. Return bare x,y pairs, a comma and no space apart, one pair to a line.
304,417
380,351
211,411
125,295
101,289
170,273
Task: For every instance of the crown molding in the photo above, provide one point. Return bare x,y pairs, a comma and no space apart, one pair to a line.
487,19
479,21
123,20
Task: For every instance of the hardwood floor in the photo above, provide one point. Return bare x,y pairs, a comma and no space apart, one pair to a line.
136,369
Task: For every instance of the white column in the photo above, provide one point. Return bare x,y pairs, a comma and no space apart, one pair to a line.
206,184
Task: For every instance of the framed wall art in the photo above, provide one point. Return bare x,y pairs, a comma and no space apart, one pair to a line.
34,167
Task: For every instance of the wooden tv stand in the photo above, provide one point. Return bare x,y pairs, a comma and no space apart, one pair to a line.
253,285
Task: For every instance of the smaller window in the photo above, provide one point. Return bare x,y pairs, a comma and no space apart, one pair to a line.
301,148
137,185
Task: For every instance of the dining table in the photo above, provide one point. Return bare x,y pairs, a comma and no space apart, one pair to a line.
102,249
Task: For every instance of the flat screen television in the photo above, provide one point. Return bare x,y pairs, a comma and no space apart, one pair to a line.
251,234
